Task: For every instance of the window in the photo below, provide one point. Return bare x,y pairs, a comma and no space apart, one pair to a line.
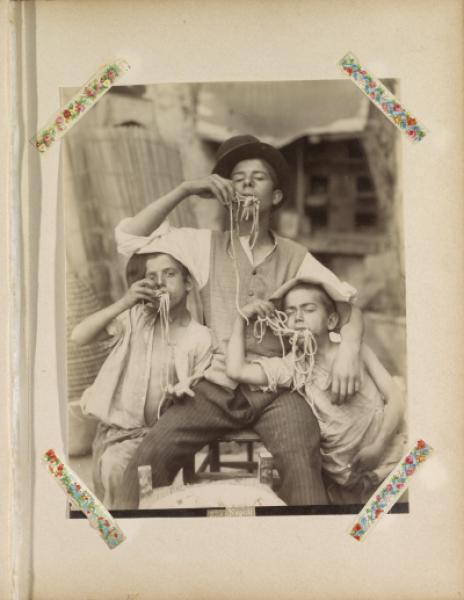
316,203
364,184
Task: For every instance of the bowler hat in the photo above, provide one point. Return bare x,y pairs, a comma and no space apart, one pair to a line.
244,147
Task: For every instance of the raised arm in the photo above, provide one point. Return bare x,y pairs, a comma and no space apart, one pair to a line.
237,367
370,456
93,327
151,217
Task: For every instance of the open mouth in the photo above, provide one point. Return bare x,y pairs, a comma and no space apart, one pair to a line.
157,299
159,293
301,332
246,199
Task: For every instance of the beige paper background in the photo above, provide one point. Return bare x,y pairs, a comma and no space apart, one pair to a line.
4,342
411,556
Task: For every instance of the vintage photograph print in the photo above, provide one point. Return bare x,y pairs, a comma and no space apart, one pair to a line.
235,298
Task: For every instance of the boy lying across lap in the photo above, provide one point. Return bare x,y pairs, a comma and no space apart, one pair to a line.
158,353
361,439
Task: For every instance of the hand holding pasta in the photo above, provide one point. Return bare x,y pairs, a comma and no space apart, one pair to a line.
212,186
257,308
140,291
94,326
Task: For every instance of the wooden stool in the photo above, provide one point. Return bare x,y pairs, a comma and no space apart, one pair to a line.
247,468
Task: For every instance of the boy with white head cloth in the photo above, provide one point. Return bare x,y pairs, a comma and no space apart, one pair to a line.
361,440
157,353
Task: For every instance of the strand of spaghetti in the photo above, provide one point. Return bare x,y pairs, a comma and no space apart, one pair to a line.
303,360
239,211
276,322
164,322
255,227
255,224
247,205
234,260
163,312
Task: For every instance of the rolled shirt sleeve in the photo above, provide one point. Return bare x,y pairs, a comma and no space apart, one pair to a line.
129,243
311,267
278,372
116,329
188,245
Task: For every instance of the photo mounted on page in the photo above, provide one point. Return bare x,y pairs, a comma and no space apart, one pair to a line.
235,298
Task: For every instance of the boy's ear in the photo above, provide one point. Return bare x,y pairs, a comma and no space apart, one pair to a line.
332,321
277,197
188,283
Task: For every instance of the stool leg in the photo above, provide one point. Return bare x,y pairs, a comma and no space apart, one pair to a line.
214,464
250,455
188,471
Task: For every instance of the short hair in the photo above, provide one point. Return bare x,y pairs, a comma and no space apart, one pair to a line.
137,266
327,301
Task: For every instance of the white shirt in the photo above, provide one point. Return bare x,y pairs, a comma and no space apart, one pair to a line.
192,248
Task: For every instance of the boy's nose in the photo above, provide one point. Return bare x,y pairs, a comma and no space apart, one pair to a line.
247,181
299,315
159,281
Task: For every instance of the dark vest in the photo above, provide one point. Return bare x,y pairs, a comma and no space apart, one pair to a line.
218,295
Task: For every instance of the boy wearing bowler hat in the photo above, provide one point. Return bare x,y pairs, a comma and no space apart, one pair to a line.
245,167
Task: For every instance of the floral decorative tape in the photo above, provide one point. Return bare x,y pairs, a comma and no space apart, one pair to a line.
87,97
82,498
382,98
390,490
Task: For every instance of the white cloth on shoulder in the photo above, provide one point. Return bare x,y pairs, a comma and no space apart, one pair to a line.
193,246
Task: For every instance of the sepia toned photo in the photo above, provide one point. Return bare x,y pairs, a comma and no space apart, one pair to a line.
207,271
235,298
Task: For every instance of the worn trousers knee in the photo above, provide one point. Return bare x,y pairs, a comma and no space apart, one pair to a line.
290,432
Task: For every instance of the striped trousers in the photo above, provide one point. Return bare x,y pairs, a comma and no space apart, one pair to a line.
283,421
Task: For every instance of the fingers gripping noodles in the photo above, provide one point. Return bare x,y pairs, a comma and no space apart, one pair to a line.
302,342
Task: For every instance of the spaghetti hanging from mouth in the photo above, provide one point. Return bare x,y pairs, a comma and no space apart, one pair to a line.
302,342
242,209
166,382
